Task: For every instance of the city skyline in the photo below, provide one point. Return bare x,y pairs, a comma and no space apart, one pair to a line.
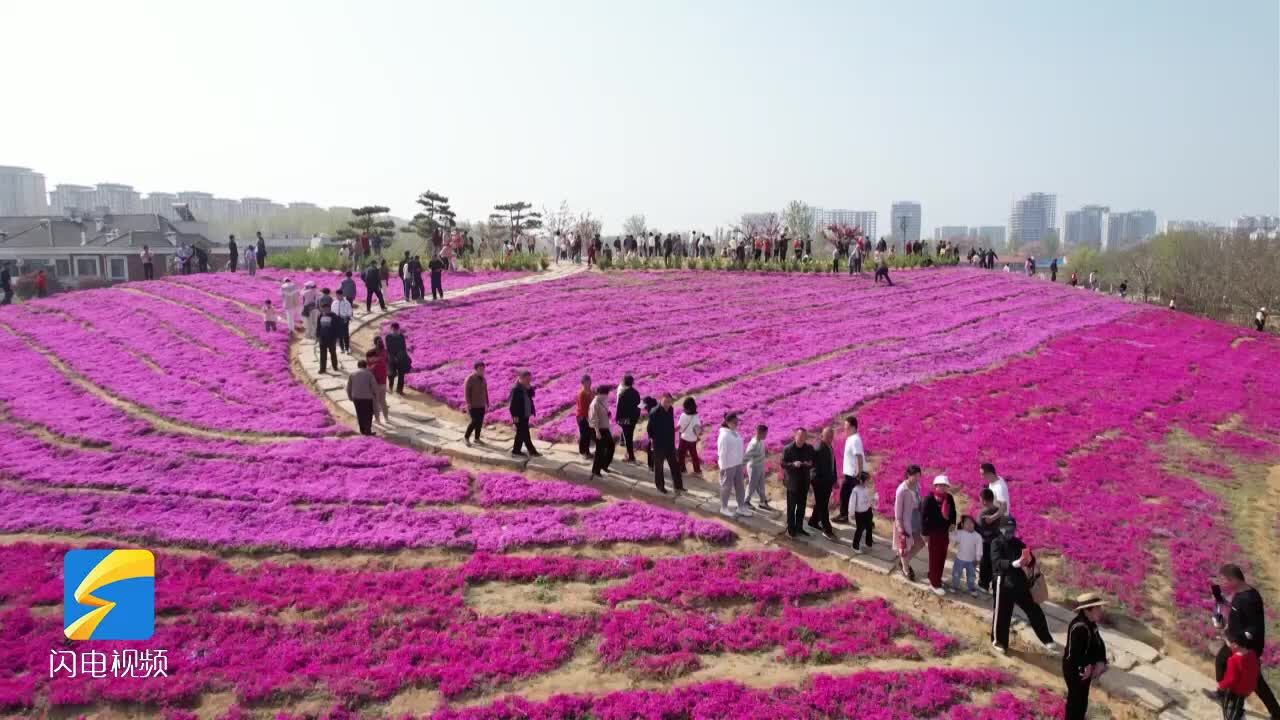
663,131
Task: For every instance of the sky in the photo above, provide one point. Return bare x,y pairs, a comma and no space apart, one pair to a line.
690,112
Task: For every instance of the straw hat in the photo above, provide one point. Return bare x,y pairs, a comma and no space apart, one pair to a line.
1089,600
941,480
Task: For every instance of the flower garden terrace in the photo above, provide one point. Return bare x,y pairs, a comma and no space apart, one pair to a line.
302,569
1137,441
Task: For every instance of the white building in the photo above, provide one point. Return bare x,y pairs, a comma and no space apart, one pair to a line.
1126,229
118,199
951,233
905,217
199,203
22,192
66,199
1031,217
865,219
160,203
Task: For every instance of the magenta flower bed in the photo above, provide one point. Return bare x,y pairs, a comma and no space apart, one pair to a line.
1077,431
222,628
783,350
493,489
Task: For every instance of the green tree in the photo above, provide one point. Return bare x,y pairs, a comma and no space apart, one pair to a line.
368,220
517,217
798,220
435,218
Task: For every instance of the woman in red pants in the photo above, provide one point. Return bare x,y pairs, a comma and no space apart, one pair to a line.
690,430
937,519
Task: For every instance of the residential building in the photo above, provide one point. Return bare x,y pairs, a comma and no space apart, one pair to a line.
865,219
951,233
106,247
303,206
1126,229
160,203
117,199
66,199
224,210
905,218
1206,227
22,192
256,207
1031,217
199,203
990,236
1087,227
1253,223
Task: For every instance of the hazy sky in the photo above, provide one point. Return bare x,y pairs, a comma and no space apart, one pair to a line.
688,111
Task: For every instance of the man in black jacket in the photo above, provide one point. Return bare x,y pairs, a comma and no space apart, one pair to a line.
406,281
233,252
1085,658
397,359
436,265
521,412
1245,617
824,480
261,254
327,331
662,444
373,286
1010,560
798,459
628,414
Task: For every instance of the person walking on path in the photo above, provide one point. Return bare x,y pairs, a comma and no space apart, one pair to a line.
661,429
347,288
598,418
1245,618
476,392
1015,569
268,316
361,390
376,361
1074,280
824,481
754,458
862,500
290,302
262,252
415,277
310,298
398,363
327,333
1053,270
522,411
968,555
1241,679
1085,658
907,539
988,527
797,463
937,519
149,263
437,266
628,414
250,260
581,412
1260,320
42,284
373,286
729,458
854,462
690,433
233,253
342,308
406,280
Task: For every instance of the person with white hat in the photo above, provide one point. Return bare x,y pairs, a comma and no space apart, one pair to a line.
1260,319
290,303
937,519
1085,658
310,308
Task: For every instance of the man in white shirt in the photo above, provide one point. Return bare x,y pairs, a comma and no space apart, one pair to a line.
342,308
998,487
855,463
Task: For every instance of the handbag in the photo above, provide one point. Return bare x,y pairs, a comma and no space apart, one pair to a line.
1039,589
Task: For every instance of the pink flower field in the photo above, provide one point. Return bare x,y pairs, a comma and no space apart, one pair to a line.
306,571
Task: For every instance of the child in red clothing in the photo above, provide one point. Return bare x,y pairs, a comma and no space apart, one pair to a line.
1240,680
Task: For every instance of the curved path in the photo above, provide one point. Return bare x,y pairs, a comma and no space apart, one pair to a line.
1168,687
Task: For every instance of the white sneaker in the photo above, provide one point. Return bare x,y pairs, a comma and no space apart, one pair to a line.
973,593
1000,649
1053,648
939,591
727,512
744,512
859,551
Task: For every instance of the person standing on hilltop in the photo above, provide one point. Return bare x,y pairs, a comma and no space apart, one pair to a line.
398,362
1015,568
1085,658
598,418
797,463
262,252
937,519
437,265
628,414
373,286
662,443
1260,320
361,392
581,414
729,458
290,302
690,434
824,481
233,253
1053,270
6,284
855,463
907,538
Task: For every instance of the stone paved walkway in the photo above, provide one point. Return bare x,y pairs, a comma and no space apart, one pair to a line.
1139,672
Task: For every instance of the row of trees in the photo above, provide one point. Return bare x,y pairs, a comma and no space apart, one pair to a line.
1224,277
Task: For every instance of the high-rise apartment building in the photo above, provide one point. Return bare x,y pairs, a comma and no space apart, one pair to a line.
117,199
22,192
905,217
199,203
951,233
66,199
160,203
1031,217
865,219
1126,229
1087,227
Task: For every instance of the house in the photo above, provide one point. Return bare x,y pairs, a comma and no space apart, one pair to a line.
105,247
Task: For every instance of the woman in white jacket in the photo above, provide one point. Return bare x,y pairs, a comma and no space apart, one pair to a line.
730,456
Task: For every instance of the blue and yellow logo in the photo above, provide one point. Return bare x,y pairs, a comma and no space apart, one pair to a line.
108,594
